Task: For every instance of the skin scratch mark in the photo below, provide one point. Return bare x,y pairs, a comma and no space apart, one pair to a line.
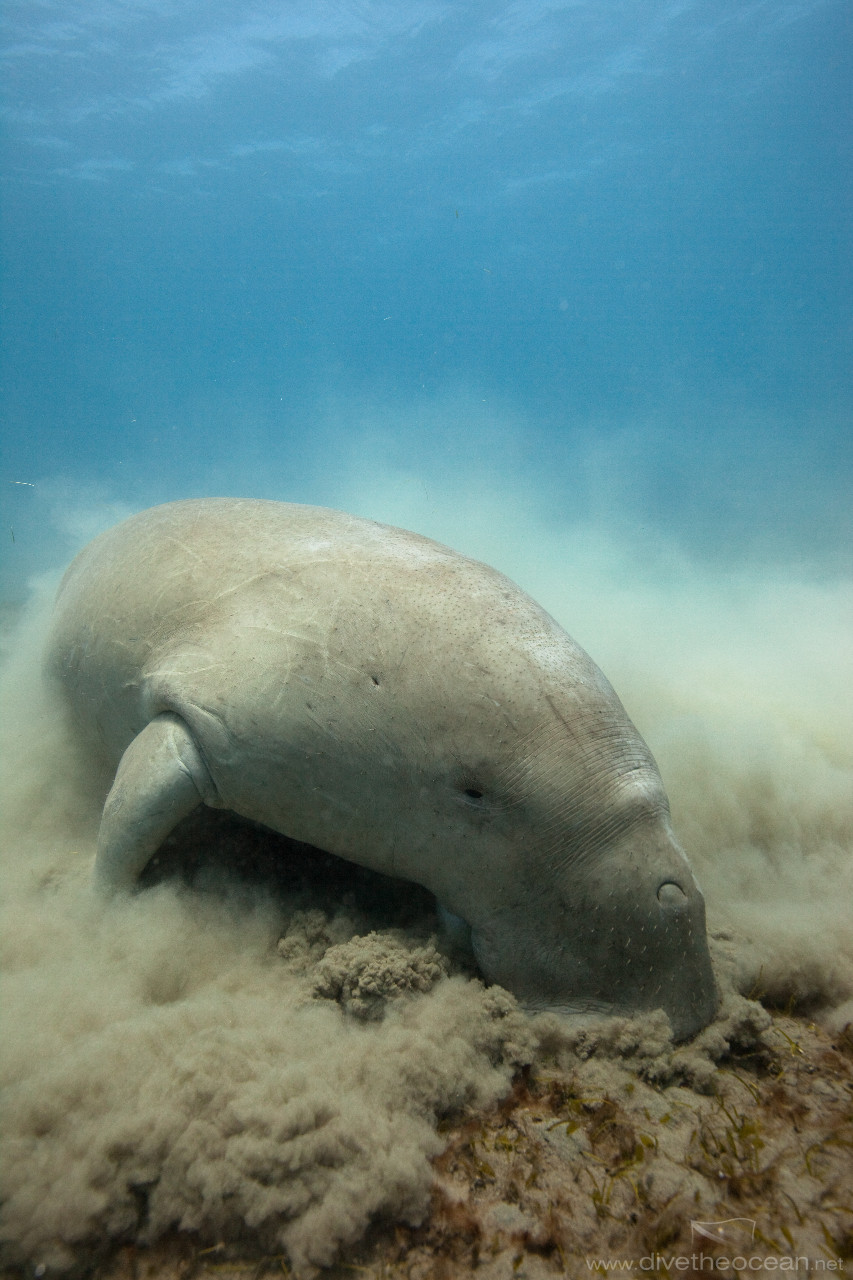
193,554
562,719
183,672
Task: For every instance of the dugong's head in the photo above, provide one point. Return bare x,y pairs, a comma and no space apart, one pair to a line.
612,923
584,901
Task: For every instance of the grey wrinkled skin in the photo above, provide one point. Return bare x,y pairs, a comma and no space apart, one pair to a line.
382,697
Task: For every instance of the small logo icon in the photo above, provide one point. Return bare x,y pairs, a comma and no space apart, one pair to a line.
737,1231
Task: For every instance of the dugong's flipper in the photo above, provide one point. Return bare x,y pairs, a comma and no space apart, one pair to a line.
161,779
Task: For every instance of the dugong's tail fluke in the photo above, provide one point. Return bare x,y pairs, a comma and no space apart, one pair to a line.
161,779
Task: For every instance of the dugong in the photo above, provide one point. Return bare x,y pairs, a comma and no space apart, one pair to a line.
384,698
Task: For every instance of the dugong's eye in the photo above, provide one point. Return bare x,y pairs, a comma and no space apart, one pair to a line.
470,789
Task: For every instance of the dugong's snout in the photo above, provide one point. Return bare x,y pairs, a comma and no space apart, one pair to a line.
619,940
636,916
681,977
673,968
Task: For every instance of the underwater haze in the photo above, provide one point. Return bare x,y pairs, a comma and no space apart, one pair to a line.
599,248
565,284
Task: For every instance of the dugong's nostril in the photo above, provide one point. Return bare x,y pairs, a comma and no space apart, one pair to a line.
671,895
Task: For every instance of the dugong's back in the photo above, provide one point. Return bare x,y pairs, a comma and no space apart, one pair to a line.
375,694
240,599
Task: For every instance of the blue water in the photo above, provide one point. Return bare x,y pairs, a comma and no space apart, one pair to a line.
599,249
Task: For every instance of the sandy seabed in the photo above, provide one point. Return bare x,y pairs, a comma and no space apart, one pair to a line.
269,1062
588,1168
